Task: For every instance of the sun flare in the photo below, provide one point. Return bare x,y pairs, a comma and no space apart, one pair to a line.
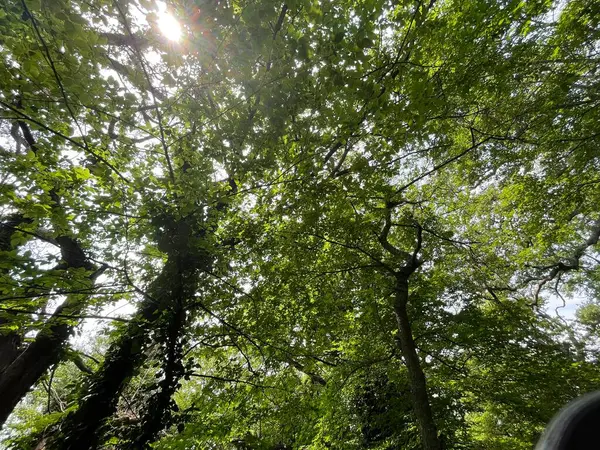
169,26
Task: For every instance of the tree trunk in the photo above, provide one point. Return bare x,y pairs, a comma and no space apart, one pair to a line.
158,415
81,429
27,368
10,341
418,385
9,348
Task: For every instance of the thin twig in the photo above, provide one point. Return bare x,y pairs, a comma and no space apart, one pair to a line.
232,380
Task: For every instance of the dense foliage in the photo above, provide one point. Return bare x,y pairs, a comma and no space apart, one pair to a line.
360,224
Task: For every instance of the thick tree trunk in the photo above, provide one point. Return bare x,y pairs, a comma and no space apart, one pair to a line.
164,304
27,368
81,429
418,385
123,357
9,348
10,341
158,415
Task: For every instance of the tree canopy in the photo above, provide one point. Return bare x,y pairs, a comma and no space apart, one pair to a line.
300,224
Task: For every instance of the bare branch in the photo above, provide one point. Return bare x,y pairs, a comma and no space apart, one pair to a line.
314,377
332,151
276,30
335,172
121,40
78,361
415,255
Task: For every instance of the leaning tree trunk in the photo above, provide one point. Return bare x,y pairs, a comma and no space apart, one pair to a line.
26,368
9,349
10,341
33,362
159,413
177,282
418,385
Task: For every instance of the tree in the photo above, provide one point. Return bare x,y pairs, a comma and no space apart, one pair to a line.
339,224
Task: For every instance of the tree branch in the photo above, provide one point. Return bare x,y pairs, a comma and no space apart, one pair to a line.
66,316
383,237
379,263
149,81
65,137
231,380
442,165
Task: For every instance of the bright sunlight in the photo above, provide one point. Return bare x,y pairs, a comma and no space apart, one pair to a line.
168,25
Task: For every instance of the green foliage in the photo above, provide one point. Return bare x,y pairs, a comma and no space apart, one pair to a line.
254,189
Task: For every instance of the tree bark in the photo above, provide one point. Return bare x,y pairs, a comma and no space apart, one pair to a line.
418,384
158,415
10,341
30,365
27,368
9,348
22,366
81,430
